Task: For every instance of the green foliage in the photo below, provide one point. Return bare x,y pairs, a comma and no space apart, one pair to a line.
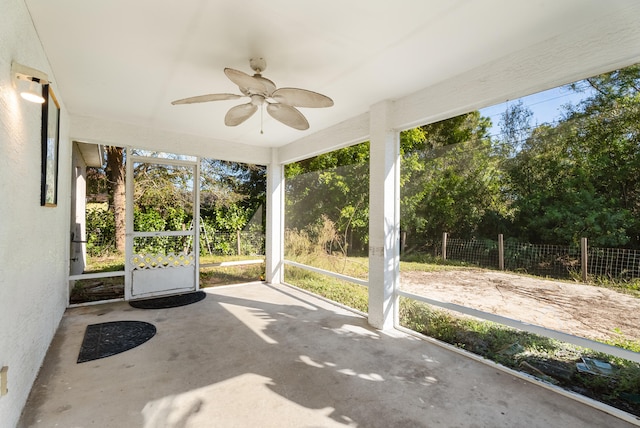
100,228
450,179
480,337
230,219
226,243
150,221
428,263
580,177
521,350
313,247
233,199
333,187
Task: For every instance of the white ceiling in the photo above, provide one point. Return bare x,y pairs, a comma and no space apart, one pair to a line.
125,61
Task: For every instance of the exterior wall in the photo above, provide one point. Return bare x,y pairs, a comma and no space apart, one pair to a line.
78,257
34,240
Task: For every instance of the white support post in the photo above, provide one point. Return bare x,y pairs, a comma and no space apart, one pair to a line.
128,215
384,218
274,245
196,217
445,235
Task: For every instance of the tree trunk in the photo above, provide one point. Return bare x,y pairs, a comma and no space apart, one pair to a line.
116,173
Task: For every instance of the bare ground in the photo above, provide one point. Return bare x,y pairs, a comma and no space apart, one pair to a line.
578,309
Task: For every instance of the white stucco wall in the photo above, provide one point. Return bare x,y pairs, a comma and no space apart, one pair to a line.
33,239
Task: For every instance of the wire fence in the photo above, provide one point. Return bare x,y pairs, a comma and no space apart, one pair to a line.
554,261
232,244
217,243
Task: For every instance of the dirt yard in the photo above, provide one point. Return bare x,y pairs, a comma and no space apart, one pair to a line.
573,308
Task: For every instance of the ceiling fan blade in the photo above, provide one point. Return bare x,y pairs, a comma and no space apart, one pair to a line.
238,114
206,98
245,82
301,98
288,115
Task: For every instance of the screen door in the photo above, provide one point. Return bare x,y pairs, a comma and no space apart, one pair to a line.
162,224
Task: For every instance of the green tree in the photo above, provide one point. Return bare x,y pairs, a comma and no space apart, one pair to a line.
451,180
331,187
232,194
581,176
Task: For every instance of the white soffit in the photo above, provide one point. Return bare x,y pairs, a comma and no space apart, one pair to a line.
92,154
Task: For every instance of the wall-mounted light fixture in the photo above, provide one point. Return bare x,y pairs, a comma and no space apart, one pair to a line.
22,72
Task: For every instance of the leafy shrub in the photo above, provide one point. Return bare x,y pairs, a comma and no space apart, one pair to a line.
101,231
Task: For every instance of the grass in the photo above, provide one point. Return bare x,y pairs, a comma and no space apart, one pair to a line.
627,286
356,267
105,263
347,293
216,276
545,358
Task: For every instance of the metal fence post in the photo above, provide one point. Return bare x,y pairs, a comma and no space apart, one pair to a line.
583,258
500,251
444,245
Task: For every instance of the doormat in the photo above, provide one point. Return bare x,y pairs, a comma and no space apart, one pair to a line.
169,301
111,338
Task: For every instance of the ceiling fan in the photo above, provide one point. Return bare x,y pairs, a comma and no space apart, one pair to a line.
281,103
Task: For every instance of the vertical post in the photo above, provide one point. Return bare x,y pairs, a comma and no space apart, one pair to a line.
197,222
583,258
444,245
384,217
128,215
500,251
403,241
274,246
238,242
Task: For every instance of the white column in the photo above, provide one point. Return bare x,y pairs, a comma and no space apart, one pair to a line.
274,246
384,217
128,215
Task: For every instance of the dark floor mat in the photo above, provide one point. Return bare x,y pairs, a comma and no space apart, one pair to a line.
169,301
111,338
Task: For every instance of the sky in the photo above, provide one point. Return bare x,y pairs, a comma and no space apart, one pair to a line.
546,106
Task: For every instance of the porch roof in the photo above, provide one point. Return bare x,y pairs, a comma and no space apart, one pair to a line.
120,64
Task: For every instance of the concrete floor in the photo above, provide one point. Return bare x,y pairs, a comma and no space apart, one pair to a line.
262,356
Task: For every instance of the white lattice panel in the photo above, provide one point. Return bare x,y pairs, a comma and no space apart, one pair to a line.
160,261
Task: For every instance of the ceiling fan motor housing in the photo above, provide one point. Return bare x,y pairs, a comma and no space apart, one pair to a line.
258,64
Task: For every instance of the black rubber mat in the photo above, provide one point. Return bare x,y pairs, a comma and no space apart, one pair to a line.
111,338
169,301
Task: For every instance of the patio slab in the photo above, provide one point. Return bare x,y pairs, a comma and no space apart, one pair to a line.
273,356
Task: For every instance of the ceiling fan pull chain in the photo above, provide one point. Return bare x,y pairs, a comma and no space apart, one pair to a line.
261,117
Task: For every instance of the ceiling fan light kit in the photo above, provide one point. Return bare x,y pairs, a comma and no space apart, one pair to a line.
280,103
